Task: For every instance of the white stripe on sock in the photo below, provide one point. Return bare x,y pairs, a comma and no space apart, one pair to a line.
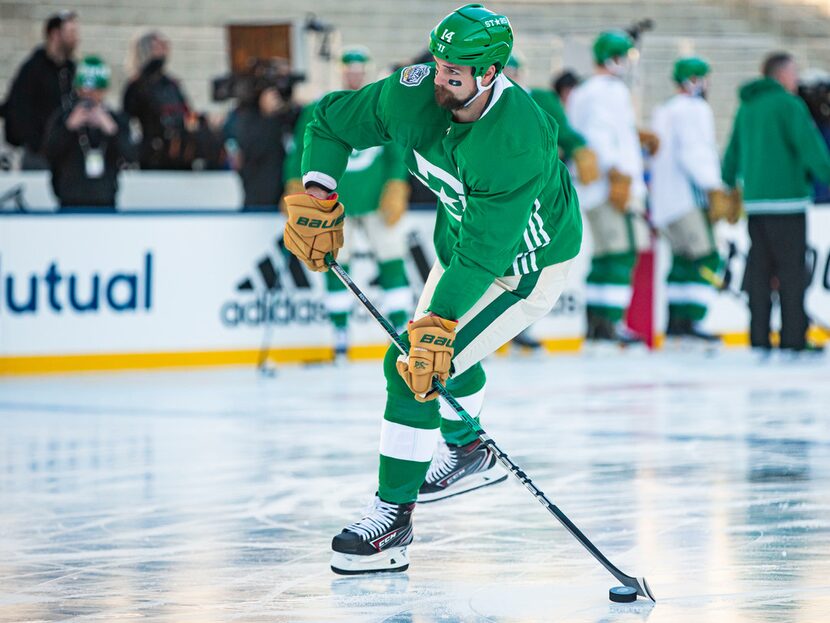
398,441
472,404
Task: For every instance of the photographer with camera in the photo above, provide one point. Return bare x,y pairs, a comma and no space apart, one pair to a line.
774,151
258,130
173,136
86,145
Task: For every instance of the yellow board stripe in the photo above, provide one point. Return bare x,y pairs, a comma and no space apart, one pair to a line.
52,364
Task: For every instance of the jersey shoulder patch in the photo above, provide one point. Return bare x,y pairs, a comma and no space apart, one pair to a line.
414,75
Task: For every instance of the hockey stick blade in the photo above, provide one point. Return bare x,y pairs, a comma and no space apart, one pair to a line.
639,585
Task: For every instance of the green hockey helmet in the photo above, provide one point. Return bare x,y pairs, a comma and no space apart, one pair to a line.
689,67
92,73
612,44
473,36
356,54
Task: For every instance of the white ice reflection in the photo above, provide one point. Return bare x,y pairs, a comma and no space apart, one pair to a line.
213,496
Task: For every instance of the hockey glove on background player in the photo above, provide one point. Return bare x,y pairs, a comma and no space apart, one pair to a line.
314,227
649,141
394,201
431,347
587,167
619,190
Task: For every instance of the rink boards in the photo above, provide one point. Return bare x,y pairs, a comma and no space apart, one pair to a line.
90,292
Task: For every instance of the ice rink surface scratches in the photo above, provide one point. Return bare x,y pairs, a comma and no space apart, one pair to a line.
213,495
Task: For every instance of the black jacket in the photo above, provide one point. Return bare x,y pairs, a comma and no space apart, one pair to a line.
40,88
160,106
261,142
67,160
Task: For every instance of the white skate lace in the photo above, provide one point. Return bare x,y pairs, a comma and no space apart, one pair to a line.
442,464
379,516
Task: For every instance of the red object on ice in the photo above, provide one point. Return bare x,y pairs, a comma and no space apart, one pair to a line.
640,316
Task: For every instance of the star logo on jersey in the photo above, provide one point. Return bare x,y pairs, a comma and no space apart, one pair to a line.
444,198
445,186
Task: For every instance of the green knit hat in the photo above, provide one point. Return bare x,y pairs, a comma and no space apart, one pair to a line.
92,73
357,54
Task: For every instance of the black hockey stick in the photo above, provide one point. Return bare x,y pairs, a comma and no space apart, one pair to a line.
639,584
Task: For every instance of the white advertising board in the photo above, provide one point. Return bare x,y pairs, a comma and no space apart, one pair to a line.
177,282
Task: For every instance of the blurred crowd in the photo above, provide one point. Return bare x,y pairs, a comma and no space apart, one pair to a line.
55,111
666,176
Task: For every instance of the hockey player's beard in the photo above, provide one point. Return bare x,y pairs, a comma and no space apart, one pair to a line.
447,100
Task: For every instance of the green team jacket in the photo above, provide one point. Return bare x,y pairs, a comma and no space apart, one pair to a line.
775,146
367,171
569,139
506,204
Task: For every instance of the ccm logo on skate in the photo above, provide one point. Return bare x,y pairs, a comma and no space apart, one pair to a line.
384,540
78,292
428,338
317,223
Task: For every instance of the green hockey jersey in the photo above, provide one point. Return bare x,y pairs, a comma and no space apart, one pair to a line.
367,171
569,139
506,204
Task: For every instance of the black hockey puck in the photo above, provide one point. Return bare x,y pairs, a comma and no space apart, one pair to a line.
623,594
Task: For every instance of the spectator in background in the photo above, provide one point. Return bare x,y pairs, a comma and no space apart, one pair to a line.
564,83
172,135
258,129
774,149
42,86
87,144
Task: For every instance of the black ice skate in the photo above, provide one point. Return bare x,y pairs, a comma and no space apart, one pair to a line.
458,469
376,543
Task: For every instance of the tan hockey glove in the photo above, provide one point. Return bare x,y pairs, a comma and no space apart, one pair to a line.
314,227
720,205
292,187
431,347
619,190
587,167
736,207
649,141
394,200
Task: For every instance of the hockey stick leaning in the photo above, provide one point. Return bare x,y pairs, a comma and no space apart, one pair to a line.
639,584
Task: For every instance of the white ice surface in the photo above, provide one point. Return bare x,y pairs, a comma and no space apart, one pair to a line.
213,496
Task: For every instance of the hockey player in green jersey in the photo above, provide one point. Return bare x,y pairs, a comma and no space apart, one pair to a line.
507,229
375,187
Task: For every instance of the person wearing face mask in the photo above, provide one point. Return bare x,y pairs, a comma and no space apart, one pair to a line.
87,145
602,111
158,103
774,151
687,196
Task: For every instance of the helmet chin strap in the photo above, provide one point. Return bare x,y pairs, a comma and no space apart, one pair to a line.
479,90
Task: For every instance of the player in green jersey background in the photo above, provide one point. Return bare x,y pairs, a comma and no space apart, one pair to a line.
375,187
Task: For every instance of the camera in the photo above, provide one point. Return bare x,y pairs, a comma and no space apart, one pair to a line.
636,29
261,74
816,94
